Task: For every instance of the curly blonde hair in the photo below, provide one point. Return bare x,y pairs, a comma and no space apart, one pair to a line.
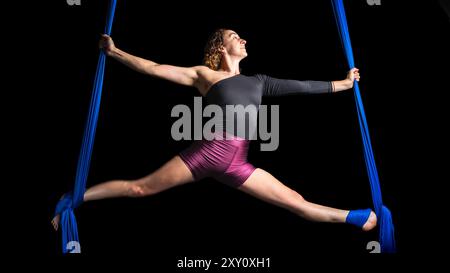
212,55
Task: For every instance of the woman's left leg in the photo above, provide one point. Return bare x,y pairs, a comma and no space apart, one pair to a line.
264,186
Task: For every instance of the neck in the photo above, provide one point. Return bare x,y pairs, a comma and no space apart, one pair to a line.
229,65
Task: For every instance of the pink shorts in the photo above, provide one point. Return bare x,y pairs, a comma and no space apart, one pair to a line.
224,160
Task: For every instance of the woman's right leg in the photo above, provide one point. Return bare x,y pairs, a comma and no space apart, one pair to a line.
171,174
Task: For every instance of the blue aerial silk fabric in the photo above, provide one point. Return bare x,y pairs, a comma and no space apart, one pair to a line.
71,200
386,227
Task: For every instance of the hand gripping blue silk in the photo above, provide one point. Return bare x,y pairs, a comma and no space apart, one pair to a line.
73,199
386,227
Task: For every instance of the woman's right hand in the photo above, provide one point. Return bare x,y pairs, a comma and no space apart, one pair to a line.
107,44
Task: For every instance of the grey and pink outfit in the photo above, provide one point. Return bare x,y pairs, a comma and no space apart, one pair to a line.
226,159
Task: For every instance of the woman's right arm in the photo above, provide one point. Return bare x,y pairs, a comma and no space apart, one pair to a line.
182,75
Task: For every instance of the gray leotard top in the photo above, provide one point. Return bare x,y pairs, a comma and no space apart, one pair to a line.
248,90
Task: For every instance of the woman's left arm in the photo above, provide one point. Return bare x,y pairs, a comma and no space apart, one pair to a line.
352,75
282,87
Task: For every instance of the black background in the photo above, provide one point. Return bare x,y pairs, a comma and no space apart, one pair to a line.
401,57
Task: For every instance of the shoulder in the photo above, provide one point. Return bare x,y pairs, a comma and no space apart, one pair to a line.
261,77
202,69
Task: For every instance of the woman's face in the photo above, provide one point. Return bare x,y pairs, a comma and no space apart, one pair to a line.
233,44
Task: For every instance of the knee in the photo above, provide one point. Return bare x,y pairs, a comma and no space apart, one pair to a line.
136,189
295,200
295,196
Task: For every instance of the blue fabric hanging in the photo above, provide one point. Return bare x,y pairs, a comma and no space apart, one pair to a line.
386,227
73,199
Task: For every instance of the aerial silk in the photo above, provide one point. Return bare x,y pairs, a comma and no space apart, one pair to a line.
73,199
386,227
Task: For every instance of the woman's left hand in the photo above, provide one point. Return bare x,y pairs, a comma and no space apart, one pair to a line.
342,85
353,75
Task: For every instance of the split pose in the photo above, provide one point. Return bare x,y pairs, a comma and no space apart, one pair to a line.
220,82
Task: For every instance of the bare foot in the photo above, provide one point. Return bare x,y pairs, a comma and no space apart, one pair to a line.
56,219
371,222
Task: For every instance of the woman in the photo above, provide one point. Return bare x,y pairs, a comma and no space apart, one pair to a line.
220,82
